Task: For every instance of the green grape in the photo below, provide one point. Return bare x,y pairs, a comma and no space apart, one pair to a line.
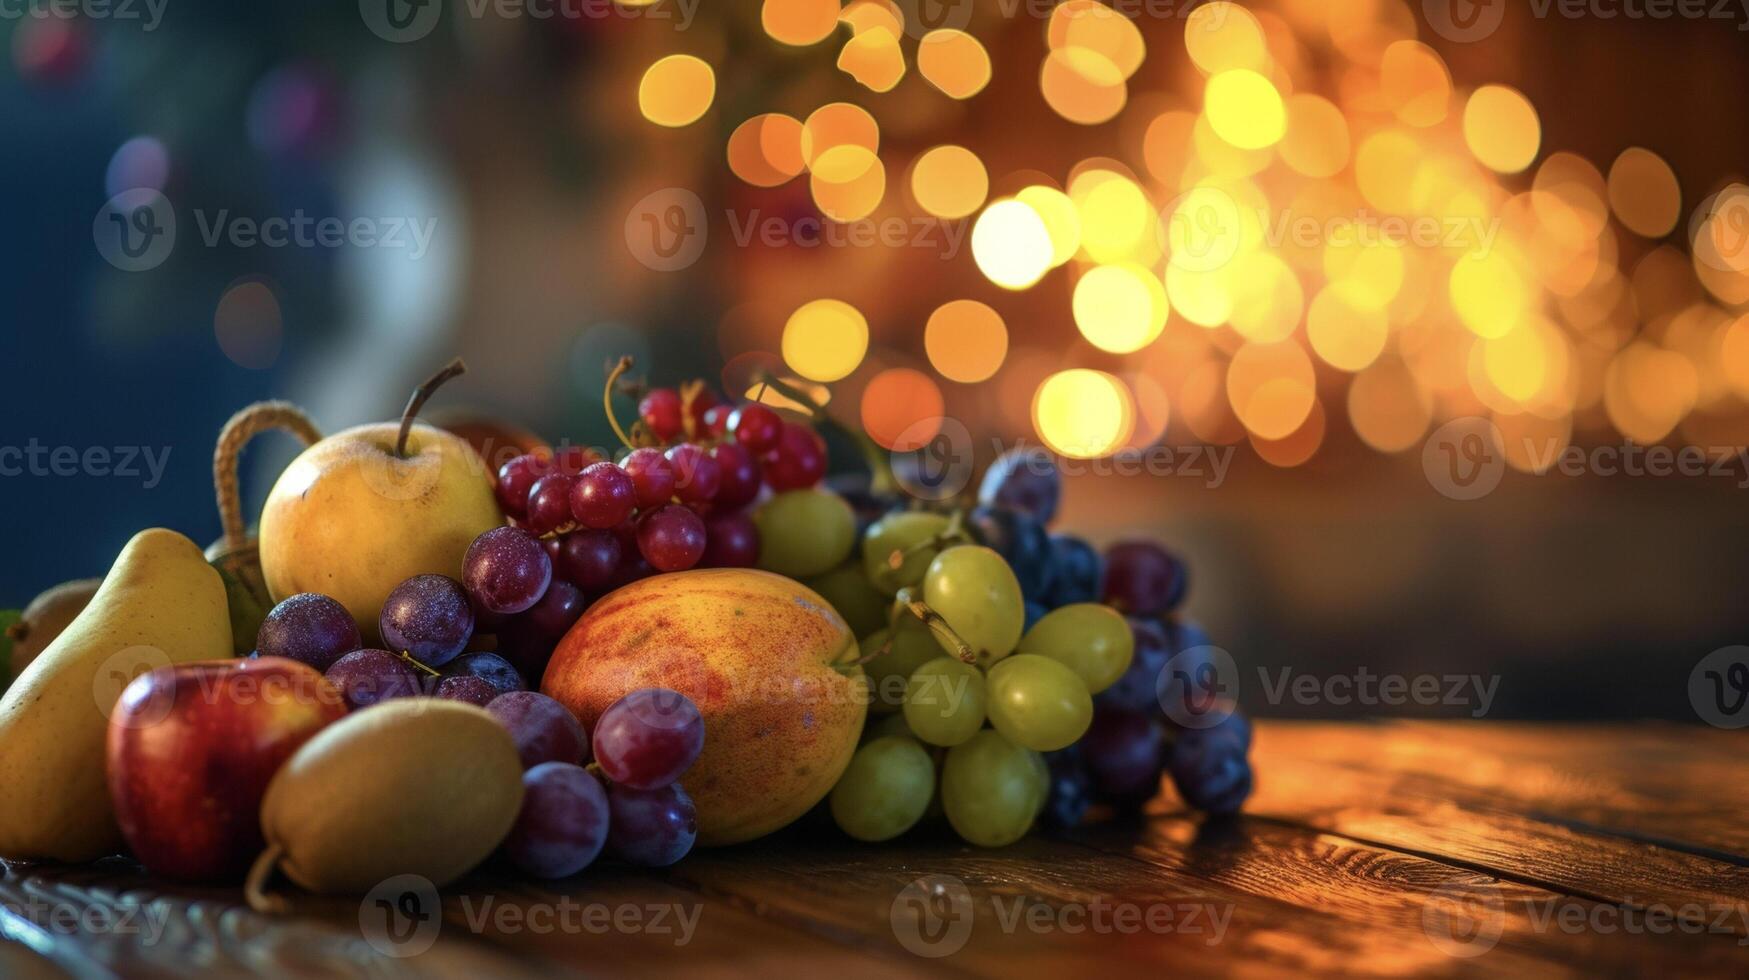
1038,702
1090,639
893,724
899,532
976,592
847,589
944,701
991,789
804,532
885,789
1041,785
912,647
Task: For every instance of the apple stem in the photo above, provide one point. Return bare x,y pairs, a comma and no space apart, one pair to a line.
18,631
254,887
422,394
937,624
624,365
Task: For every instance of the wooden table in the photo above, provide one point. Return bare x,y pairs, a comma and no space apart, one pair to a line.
1391,848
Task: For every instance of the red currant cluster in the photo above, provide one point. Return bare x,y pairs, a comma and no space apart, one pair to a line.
678,504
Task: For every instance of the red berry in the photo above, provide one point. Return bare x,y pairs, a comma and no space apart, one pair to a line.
516,478
660,411
587,558
602,496
702,402
696,474
671,538
756,426
798,461
731,541
652,476
549,503
714,422
739,476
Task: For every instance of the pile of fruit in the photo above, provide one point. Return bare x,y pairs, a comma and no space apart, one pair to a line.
574,637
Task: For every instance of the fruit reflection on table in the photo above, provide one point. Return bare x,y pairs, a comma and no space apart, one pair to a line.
696,639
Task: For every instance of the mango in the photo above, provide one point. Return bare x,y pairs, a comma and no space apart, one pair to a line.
768,662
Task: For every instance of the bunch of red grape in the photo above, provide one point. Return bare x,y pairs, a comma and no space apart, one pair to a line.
583,526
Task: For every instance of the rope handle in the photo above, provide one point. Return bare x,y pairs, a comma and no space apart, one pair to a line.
243,426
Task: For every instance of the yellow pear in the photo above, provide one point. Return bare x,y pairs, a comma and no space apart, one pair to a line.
160,604
366,509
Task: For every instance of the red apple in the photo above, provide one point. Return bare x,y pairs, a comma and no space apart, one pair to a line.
191,750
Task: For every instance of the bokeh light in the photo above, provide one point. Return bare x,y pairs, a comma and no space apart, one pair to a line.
1643,193
766,150
1083,413
1245,109
676,90
1011,244
966,340
949,182
954,62
1501,128
825,339
799,22
1120,308
902,409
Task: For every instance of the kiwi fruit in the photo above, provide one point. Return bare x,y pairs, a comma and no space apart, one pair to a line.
409,786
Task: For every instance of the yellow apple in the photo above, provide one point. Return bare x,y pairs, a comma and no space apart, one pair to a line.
363,510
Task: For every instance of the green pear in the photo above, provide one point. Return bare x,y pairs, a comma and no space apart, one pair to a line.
160,604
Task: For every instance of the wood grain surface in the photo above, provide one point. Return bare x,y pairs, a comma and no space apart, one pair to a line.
1440,848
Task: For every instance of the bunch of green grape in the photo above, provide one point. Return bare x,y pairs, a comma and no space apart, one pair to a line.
965,699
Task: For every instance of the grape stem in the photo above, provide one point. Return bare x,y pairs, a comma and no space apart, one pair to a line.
938,625
613,375
689,392
407,655
954,531
880,467
421,395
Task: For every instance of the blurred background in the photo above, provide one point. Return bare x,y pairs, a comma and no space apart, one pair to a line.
1286,279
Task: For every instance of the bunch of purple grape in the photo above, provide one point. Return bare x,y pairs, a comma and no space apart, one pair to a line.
628,802
1131,742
